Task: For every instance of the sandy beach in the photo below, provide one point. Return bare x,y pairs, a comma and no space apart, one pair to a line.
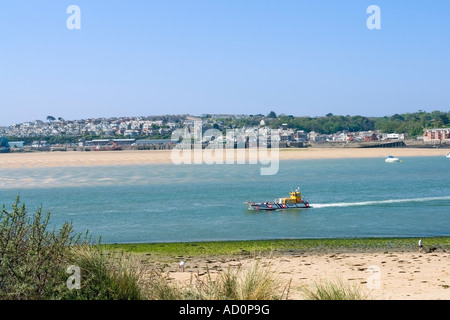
383,275
124,157
395,275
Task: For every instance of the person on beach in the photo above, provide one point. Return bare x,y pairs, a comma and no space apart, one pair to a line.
420,245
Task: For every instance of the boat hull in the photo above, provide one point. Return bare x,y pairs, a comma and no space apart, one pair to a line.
277,206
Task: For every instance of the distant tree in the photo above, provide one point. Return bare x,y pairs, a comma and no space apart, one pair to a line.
272,114
397,117
51,118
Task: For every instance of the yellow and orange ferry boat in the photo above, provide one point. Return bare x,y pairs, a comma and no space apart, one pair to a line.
294,201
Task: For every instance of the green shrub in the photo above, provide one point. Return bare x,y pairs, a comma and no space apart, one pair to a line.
32,258
34,262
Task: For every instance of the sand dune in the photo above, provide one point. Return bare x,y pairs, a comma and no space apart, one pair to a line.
384,275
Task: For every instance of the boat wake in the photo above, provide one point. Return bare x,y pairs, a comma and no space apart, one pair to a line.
380,202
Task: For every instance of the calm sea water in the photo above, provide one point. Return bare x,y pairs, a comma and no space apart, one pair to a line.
170,203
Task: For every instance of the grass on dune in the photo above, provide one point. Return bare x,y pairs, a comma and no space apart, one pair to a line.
254,283
333,289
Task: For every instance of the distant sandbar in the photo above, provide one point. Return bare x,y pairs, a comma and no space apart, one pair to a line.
126,157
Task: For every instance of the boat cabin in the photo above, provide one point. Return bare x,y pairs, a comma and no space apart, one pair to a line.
295,197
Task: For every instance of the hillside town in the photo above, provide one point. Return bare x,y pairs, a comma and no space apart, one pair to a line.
155,132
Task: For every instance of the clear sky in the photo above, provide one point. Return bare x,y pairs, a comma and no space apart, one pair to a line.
147,57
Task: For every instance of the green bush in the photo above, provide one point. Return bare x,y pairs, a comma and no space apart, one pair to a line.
34,262
32,258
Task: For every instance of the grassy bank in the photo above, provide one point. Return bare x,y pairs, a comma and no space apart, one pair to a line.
215,248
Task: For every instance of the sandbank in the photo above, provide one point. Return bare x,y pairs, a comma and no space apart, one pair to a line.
129,157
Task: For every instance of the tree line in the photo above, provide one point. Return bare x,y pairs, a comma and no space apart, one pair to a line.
412,124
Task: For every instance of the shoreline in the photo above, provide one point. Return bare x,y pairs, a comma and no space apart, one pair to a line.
385,272
134,157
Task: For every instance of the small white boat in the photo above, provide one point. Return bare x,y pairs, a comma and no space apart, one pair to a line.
448,155
392,159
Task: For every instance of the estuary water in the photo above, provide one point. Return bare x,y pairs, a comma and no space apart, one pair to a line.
364,197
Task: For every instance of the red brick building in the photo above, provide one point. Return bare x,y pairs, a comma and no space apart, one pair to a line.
437,135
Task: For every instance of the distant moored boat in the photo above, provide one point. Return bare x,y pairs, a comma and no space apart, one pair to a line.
392,159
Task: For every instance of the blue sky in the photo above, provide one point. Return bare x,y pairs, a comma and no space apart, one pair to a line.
302,58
